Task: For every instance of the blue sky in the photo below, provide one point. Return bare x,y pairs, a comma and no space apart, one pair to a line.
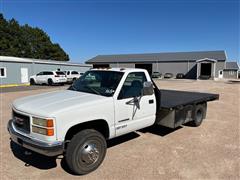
85,29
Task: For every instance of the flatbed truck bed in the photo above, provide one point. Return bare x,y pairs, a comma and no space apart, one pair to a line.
179,107
173,99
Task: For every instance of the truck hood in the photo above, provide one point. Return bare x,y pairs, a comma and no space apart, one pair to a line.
48,104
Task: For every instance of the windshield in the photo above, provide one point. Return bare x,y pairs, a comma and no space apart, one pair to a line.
103,83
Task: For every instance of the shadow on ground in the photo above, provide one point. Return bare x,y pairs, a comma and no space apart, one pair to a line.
33,159
29,88
43,162
159,130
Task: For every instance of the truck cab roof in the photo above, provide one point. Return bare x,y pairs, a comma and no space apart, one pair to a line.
119,69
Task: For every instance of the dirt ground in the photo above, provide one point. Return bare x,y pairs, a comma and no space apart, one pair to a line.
211,151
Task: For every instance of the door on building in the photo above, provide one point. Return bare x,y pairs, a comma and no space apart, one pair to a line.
148,67
24,75
220,74
206,70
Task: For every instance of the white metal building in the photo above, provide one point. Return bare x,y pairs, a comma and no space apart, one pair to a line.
16,71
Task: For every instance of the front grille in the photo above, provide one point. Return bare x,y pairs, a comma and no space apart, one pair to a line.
21,122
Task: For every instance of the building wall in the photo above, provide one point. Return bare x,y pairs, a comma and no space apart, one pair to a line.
13,70
122,65
220,65
187,68
230,74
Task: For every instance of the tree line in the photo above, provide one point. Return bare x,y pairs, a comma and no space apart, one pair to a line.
26,41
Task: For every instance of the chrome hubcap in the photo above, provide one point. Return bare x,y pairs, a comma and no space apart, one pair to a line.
89,153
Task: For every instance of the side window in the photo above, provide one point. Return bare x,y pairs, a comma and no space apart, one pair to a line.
40,74
74,72
133,85
68,72
47,73
3,72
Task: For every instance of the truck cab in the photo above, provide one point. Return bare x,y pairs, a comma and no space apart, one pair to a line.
100,105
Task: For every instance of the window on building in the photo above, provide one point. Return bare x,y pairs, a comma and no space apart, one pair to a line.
3,72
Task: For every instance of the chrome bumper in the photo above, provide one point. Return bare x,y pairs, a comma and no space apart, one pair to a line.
46,149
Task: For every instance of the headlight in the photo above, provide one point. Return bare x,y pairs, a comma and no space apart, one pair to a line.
42,122
44,131
43,126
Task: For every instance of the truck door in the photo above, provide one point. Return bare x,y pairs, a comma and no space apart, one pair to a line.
133,111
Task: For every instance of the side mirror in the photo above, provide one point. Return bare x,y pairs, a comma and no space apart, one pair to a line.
147,88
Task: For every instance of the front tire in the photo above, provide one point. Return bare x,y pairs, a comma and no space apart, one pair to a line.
32,82
86,151
50,82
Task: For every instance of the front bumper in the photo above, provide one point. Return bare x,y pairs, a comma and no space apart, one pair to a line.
47,149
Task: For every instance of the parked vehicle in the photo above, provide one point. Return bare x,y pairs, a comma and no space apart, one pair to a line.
100,105
180,76
156,75
49,77
72,76
168,75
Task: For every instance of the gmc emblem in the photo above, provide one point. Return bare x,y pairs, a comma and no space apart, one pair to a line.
18,120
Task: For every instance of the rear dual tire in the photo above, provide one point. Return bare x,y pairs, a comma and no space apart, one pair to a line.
86,151
199,115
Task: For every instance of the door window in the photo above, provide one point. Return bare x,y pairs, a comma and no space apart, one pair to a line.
133,85
74,72
47,73
40,74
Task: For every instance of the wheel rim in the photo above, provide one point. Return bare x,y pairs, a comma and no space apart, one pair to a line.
89,153
199,115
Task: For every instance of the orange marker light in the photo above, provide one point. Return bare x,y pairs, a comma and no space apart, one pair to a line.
50,132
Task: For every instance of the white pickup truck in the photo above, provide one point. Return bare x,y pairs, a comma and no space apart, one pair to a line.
101,105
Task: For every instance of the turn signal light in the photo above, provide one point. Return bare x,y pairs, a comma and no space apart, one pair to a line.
50,132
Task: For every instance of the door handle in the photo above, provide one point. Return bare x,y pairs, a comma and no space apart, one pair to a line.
151,101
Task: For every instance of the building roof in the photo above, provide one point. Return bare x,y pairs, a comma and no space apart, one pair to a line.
38,61
232,65
163,57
